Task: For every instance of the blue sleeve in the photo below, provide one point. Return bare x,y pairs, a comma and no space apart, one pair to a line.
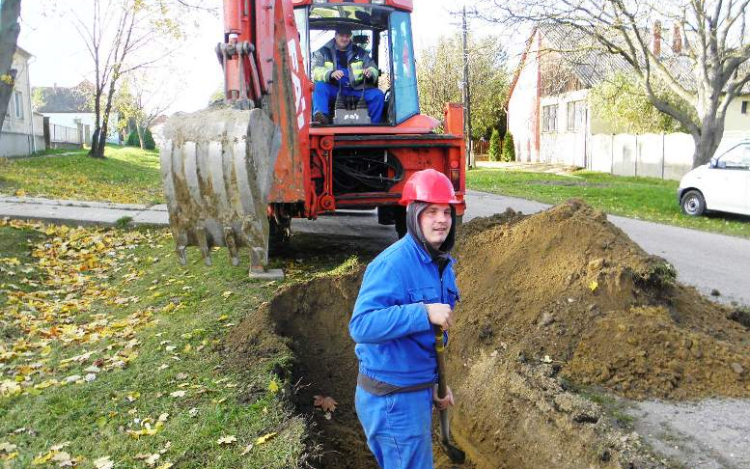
382,311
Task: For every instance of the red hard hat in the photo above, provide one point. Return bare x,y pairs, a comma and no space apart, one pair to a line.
429,186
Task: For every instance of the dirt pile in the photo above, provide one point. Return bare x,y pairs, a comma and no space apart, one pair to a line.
569,288
557,301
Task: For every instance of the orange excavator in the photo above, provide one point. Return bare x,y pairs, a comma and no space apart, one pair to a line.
237,173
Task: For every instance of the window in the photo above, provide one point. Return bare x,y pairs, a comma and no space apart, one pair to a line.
744,107
549,118
736,158
18,104
576,116
404,75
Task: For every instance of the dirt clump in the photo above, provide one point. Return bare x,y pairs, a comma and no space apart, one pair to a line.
561,301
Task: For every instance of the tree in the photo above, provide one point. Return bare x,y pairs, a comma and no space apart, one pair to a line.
495,148
621,102
712,40
123,36
509,150
439,73
10,10
142,100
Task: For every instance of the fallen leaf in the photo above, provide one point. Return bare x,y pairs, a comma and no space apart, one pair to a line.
166,465
273,386
247,449
227,440
227,294
265,438
7,447
104,463
151,460
61,456
178,394
193,412
327,403
593,285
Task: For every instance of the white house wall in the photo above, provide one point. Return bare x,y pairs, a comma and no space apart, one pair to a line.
735,120
16,138
564,147
523,109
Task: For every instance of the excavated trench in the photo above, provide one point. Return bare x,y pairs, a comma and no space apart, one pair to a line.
562,318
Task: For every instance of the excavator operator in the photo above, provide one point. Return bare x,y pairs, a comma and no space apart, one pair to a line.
341,65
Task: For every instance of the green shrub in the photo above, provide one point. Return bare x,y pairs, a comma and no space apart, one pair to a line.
509,150
133,140
495,145
149,143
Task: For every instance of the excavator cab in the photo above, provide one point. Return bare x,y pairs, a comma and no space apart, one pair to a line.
384,32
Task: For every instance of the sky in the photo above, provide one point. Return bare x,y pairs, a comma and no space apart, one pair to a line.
192,73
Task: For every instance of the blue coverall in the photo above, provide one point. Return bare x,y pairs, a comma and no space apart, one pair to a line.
396,345
325,93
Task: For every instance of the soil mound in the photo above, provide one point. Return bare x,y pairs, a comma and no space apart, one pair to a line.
567,287
556,302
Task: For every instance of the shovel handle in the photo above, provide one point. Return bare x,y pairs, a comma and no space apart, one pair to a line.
440,349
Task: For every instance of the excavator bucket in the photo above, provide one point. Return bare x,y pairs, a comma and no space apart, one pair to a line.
217,169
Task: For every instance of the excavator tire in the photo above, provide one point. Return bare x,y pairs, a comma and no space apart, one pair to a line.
217,169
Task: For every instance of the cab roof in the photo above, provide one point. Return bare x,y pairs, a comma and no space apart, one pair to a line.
407,5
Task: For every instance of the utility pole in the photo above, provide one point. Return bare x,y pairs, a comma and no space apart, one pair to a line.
467,94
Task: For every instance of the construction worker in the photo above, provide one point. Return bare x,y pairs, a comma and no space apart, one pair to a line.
343,66
406,291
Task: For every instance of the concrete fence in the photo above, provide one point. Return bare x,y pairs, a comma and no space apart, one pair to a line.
61,136
664,156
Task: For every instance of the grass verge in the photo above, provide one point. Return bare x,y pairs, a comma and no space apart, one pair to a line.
126,175
635,197
111,354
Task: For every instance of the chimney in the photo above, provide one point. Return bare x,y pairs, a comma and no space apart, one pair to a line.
677,40
657,38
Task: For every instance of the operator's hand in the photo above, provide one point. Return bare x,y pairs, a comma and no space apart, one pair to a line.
445,402
337,74
368,72
439,314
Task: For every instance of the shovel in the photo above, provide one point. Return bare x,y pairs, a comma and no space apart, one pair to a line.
454,453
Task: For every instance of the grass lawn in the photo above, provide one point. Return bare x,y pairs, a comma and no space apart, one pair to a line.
127,175
635,197
112,352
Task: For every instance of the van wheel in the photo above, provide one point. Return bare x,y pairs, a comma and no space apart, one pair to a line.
693,203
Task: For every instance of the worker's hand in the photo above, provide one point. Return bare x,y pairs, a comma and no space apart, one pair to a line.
337,74
439,314
368,72
445,402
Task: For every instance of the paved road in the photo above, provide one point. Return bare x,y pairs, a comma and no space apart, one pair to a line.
705,260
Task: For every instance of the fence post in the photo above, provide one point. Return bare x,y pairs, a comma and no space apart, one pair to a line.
45,130
663,149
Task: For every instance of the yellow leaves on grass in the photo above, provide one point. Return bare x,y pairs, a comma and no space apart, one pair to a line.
265,438
71,271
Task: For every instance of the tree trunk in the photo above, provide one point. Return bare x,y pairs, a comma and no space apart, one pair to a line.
9,29
141,136
706,143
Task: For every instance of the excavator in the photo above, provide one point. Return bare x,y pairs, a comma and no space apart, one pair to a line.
237,173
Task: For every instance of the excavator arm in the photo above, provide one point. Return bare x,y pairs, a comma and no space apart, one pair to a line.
221,167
